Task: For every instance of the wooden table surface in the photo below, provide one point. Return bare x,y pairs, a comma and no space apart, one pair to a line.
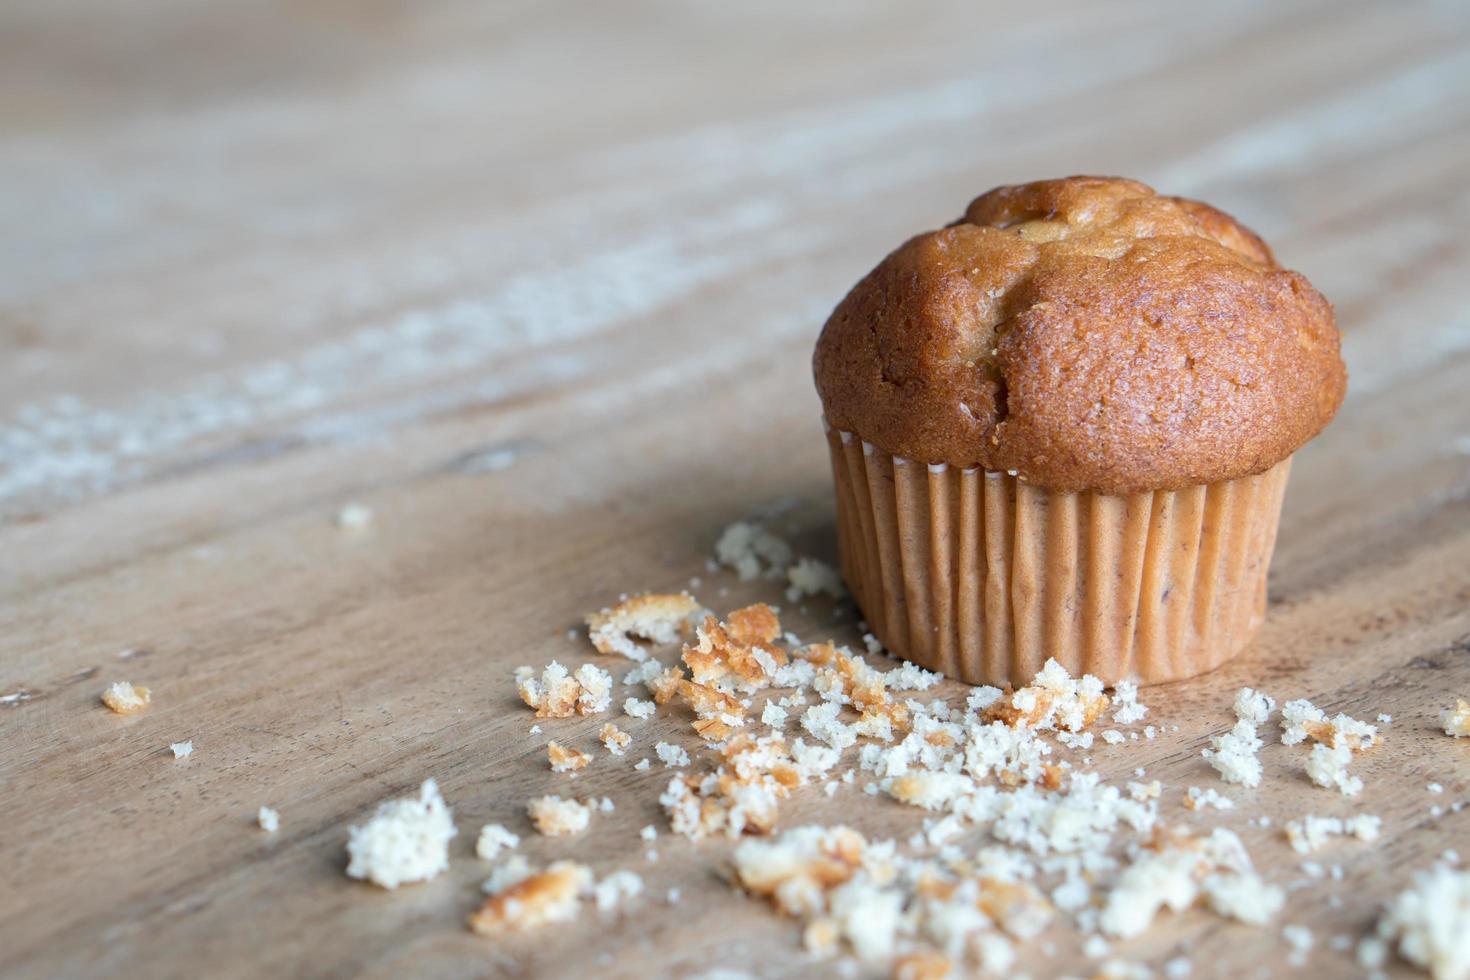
538,285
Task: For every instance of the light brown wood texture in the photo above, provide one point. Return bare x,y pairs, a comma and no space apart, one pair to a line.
538,285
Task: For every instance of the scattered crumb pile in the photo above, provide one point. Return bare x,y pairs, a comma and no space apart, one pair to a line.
406,840
125,698
1014,833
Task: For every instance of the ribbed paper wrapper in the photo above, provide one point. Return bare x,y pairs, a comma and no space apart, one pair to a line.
982,577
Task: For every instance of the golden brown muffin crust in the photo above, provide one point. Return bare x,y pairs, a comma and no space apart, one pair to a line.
1089,334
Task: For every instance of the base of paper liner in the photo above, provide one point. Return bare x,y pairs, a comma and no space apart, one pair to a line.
983,577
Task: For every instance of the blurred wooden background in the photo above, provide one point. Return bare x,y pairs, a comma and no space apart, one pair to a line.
538,283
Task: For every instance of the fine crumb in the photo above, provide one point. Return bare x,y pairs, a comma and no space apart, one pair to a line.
493,839
614,738
1456,721
354,517
182,749
553,816
565,759
126,699
406,840
537,900
268,819
659,619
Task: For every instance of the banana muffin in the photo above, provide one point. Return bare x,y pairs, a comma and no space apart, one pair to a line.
1061,427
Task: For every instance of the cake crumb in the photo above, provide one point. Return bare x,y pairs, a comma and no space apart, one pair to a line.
553,816
1127,710
658,618
406,840
126,699
182,749
1429,924
1196,798
642,710
615,889
752,551
1233,754
809,577
1253,706
672,756
559,694
1327,766
540,899
1311,833
565,759
614,739
268,819
493,839
1456,721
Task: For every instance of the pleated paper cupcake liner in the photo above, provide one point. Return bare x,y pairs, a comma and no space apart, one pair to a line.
982,577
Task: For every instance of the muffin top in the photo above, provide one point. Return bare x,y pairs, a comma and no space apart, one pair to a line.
1088,334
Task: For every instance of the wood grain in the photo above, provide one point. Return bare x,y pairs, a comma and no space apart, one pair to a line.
539,286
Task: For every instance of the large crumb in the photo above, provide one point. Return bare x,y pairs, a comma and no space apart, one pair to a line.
659,619
740,654
553,816
1429,923
540,899
406,840
125,698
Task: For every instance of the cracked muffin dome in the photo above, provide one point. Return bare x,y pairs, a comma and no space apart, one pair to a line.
1087,334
